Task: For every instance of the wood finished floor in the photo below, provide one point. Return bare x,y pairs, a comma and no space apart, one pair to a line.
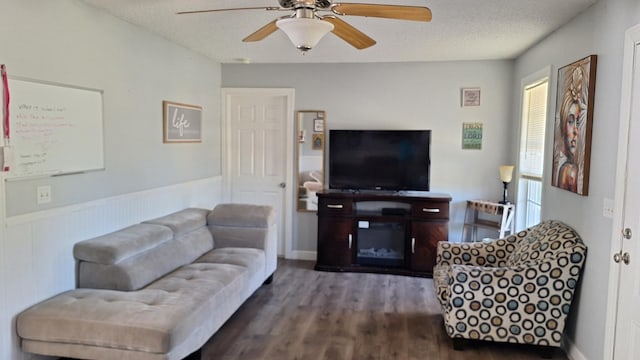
307,315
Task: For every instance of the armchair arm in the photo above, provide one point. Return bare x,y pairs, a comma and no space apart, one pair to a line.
513,304
489,253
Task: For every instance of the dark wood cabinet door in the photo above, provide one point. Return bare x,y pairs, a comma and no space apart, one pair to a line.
424,242
335,241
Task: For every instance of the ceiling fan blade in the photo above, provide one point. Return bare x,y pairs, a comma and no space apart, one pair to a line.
268,8
415,13
263,32
348,33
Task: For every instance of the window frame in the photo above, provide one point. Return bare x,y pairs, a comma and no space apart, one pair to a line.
523,177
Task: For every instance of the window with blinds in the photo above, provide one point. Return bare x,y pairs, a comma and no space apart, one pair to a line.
534,119
531,164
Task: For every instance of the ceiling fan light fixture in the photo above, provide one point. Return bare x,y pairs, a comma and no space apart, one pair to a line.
304,33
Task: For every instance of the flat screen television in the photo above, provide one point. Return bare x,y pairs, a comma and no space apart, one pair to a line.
395,160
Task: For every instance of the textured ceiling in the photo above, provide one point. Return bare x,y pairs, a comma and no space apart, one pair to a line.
460,29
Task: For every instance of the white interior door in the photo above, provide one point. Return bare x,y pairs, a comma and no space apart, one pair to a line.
627,225
258,125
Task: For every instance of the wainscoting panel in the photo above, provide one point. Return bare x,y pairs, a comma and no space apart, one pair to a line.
38,260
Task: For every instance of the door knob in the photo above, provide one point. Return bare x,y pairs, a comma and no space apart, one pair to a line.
626,258
626,233
282,185
620,257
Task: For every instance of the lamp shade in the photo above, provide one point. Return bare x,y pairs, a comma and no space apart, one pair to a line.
304,33
506,173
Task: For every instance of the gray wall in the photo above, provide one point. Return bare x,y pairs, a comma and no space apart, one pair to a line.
69,42
405,96
600,31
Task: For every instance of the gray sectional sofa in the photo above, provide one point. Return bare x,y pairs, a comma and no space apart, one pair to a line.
156,290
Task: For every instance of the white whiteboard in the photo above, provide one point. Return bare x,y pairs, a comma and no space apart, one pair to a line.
55,129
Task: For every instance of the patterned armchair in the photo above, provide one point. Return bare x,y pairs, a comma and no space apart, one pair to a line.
516,289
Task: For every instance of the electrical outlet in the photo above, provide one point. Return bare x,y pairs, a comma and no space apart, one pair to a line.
43,194
607,208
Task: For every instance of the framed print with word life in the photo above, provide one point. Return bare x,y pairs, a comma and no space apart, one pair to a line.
181,122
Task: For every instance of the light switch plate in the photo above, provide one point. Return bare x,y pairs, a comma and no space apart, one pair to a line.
43,194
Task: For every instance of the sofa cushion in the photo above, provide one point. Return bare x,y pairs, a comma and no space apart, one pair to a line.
103,318
252,259
183,221
140,269
118,245
241,215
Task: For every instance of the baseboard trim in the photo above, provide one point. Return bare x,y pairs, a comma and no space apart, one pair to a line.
302,255
573,353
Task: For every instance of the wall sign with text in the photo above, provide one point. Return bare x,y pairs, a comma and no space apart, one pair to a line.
181,122
472,136
470,97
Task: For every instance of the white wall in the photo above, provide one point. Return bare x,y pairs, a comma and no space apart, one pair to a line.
405,96
600,31
68,42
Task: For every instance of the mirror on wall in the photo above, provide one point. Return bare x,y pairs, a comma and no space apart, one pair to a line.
311,143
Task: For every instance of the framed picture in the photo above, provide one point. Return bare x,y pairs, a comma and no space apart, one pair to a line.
318,125
573,124
472,136
470,97
317,142
181,122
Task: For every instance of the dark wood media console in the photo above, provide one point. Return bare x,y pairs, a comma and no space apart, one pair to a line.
381,232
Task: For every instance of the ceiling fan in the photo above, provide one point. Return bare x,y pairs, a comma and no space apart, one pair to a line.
306,25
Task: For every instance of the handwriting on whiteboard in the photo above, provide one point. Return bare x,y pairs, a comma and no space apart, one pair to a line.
39,123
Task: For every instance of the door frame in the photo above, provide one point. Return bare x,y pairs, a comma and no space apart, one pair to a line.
631,39
286,249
